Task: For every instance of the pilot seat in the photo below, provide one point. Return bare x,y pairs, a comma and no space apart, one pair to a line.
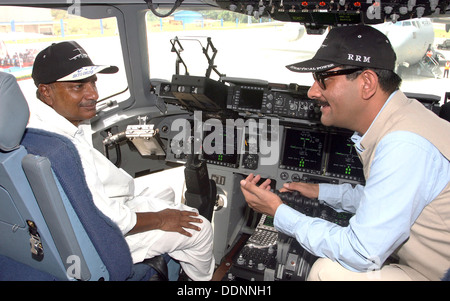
50,228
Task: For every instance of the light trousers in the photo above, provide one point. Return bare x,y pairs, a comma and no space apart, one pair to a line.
194,253
325,269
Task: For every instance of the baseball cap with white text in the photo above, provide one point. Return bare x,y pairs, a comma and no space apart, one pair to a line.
358,45
65,61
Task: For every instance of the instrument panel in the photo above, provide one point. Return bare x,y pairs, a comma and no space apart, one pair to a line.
294,154
317,14
271,129
282,102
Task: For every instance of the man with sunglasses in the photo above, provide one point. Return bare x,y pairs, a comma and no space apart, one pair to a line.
404,207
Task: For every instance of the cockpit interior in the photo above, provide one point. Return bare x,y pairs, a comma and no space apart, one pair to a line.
201,100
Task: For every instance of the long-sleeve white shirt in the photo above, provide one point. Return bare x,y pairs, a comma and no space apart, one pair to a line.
111,187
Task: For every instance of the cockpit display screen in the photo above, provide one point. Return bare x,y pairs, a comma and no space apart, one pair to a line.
343,161
268,221
303,150
250,98
221,148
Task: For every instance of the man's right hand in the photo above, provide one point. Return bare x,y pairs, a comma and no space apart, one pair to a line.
308,190
171,220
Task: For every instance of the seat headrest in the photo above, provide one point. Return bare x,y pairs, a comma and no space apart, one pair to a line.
14,113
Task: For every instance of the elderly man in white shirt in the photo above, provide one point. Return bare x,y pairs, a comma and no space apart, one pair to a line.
151,221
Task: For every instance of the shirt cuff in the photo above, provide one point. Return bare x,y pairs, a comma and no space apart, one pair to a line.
129,225
286,218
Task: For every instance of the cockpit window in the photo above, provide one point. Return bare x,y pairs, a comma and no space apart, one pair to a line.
260,48
247,47
24,31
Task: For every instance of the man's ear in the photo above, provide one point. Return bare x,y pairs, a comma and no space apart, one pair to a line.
370,84
45,94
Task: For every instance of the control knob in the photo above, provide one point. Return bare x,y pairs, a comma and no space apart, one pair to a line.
250,263
240,260
250,161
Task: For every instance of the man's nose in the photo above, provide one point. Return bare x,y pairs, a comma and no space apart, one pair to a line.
314,91
91,91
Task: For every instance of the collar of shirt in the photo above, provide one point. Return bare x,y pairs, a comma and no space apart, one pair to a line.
357,137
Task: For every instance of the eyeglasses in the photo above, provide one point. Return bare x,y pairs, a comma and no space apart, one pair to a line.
320,77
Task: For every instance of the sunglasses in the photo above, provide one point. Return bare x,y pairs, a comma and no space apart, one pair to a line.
320,77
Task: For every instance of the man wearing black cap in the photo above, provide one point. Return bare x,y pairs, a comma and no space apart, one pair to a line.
152,224
404,206
62,67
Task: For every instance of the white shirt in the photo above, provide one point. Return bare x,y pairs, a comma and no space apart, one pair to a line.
110,186
114,194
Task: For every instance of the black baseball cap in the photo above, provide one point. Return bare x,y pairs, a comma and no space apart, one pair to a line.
65,61
358,45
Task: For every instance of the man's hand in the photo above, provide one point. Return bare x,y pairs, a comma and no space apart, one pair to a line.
177,221
171,220
261,199
308,190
